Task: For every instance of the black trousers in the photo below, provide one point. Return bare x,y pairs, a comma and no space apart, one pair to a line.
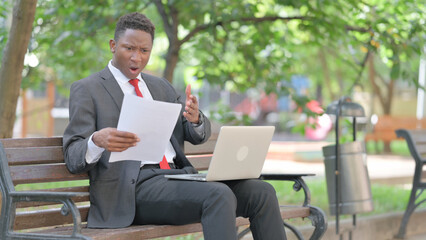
160,200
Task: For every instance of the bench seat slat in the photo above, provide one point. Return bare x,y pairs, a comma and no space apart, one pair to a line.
34,155
43,173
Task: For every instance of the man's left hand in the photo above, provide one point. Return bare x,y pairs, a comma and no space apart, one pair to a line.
191,107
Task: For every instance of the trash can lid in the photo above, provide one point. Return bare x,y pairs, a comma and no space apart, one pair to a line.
347,108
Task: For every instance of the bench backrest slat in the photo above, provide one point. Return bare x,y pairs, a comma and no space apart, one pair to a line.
31,142
392,123
384,129
35,155
43,173
201,162
205,148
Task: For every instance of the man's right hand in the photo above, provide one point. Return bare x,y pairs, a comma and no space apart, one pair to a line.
114,140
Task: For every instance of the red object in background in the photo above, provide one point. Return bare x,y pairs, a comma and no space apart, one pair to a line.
323,126
322,123
315,107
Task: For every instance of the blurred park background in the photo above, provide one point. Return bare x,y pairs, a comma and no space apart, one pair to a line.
250,62
269,62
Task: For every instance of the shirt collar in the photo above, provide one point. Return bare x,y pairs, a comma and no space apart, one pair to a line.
118,75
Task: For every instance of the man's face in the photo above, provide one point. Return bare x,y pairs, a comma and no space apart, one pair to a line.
131,52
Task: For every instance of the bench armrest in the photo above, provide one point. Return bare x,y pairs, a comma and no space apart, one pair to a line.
299,183
59,197
27,196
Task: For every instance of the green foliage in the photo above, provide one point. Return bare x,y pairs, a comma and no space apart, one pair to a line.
223,114
242,44
71,39
5,9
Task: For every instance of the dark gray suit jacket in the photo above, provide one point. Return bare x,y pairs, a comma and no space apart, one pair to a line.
95,103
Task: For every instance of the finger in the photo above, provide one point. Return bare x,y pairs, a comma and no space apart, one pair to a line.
188,116
119,146
194,99
191,109
126,135
192,103
117,149
191,116
188,91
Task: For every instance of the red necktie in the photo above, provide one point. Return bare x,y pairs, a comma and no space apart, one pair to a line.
163,164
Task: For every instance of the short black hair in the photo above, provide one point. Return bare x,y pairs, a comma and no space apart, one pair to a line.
135,21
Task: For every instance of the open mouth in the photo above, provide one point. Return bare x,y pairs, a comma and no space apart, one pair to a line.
134,69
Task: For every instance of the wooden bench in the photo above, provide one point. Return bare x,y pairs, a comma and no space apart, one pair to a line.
61,212
385,128
416,141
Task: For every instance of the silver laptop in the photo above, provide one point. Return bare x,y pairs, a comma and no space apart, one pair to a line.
239,153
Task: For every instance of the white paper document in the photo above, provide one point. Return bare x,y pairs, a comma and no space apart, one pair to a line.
153,122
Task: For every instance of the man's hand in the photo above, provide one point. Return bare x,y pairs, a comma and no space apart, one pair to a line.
113,140
191,107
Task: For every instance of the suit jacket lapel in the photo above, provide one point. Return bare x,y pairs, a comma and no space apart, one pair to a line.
112,87
154,87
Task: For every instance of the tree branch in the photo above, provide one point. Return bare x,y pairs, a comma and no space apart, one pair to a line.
363,64
357,29
167,25
247,19
382,79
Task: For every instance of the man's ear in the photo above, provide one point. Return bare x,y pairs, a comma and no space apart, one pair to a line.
112,45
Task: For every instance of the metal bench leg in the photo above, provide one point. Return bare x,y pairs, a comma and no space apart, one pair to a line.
409,211
294,230
319,221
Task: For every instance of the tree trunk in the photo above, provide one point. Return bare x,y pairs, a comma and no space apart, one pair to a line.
324,64
385,99
172,59
13,63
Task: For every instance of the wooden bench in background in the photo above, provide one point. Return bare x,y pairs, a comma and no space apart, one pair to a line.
385,128
416,141
61,212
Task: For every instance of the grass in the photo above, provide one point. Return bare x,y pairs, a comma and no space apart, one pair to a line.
398,147
39,186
